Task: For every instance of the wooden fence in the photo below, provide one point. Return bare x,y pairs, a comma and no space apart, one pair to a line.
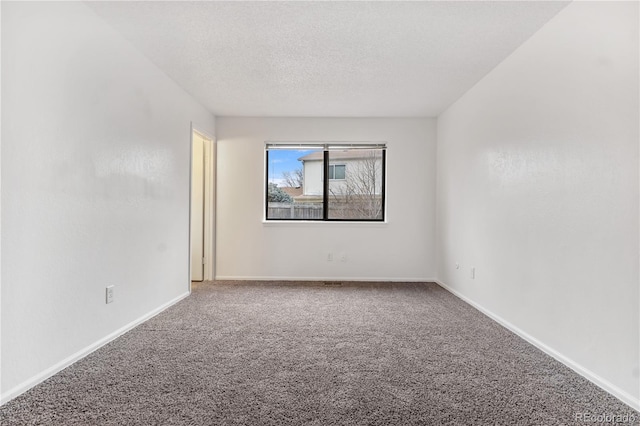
353,210
295,211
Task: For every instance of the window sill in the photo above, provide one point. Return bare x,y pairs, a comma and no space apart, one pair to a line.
323,223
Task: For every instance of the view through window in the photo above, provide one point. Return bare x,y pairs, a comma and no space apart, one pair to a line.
338,182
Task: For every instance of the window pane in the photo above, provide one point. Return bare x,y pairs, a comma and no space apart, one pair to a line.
356,195
294,184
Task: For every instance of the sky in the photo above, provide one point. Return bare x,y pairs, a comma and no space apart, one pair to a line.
284,160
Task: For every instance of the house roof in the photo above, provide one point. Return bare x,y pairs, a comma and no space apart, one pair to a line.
294,191
340,155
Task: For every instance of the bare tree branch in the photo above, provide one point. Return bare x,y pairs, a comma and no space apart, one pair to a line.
294,178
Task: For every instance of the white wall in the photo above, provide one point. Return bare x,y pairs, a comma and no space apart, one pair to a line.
538,189
313,183
95,187
402,249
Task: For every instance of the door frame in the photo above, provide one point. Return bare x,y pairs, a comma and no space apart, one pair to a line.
209,200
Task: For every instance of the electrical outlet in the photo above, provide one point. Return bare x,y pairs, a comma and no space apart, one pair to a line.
457,266
109,294
329,257
343,257
473,273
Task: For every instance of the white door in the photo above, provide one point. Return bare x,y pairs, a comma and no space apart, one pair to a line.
197,208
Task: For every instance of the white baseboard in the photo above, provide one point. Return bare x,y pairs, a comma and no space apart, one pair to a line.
607,386
346,279
41,377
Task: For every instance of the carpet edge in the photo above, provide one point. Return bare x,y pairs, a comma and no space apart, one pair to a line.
325,278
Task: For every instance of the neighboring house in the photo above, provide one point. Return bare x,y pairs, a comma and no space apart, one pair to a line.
351,173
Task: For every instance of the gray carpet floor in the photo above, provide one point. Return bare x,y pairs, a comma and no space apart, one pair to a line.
240,353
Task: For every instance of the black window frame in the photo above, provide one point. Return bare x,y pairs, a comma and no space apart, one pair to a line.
327,147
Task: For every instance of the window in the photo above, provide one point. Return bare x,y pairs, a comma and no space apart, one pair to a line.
325,182
337,171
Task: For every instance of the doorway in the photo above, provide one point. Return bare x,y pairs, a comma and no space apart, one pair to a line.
202,206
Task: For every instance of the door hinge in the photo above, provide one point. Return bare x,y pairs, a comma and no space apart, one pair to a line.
204,260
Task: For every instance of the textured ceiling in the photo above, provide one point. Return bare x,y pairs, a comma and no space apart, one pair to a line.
338,59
